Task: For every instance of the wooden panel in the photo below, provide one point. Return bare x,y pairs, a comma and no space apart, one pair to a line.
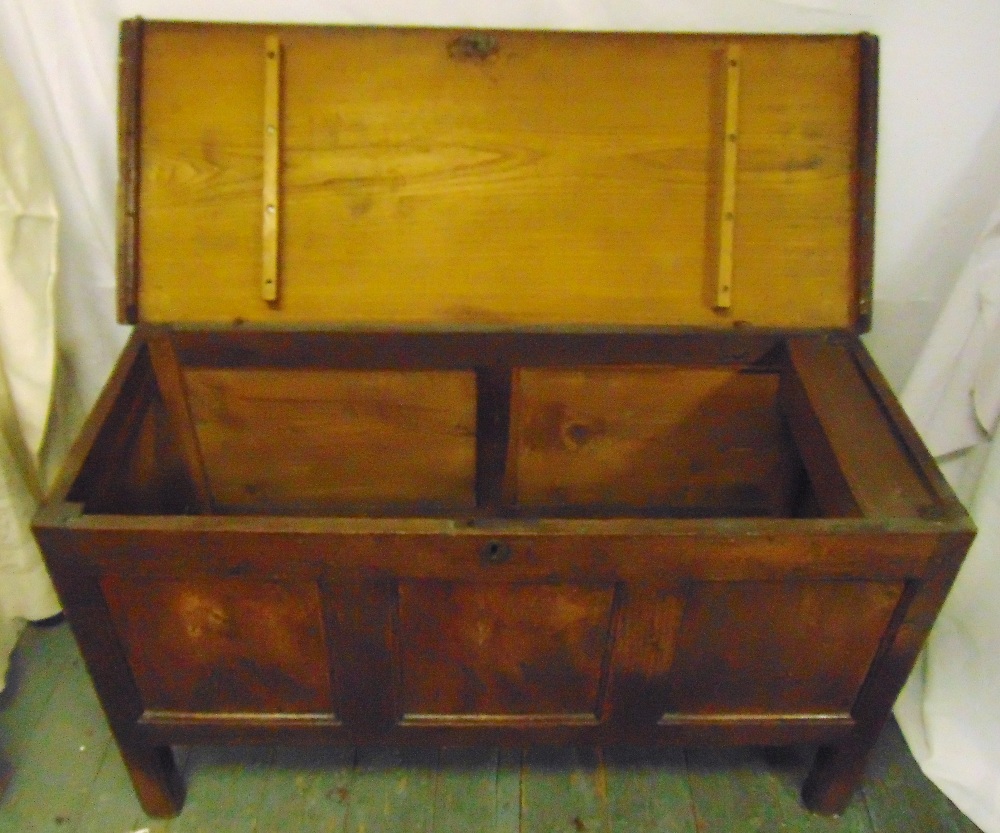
495,650
553,178
300,441
809,653
705,442
856,460
223,645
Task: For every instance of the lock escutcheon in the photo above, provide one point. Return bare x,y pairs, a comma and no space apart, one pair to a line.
495,552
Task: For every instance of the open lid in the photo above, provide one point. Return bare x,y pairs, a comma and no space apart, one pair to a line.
430,178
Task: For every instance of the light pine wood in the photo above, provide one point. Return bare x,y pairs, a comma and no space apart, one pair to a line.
703,441
303,440
561,179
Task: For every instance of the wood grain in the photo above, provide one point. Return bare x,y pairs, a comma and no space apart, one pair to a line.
709,442
496,650
847,444
294,441
810,654
564,179
170,384
223,645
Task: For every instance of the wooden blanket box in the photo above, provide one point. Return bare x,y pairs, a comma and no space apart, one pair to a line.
497,388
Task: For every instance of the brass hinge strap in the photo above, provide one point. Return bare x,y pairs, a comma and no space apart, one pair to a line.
272,164
727,217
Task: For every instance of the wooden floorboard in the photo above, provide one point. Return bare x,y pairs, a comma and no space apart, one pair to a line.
68,777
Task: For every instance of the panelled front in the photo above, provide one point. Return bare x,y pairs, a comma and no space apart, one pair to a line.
514,655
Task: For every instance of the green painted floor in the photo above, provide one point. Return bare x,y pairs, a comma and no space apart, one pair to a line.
66,775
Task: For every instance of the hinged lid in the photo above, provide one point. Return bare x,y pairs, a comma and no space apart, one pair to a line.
429,178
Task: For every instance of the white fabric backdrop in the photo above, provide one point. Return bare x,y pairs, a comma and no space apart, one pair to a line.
938,173
950,709
28,221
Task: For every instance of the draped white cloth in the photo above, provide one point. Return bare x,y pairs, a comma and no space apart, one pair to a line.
28,222
950,709
939,172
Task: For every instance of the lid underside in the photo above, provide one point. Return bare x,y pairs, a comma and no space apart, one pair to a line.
413,178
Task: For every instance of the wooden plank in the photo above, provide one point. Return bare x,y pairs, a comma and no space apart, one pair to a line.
493,418
838,769
727,219
393,790
489,650
497,189
644,650
170,384
292,440
864,198
604,551
809,655
217,645
465,349
151,767
860,447
948,507
564,789
129,168
707,441
648,790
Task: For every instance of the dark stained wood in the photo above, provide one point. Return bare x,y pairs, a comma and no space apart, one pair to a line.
461,348
829,487
172,391
839,769
363,613
515,211
946,506
151,766
809,655
604,551
645,647
864,187
857,446
489,649
223,645
129,150
493,409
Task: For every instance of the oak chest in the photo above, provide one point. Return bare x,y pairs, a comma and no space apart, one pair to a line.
497,387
